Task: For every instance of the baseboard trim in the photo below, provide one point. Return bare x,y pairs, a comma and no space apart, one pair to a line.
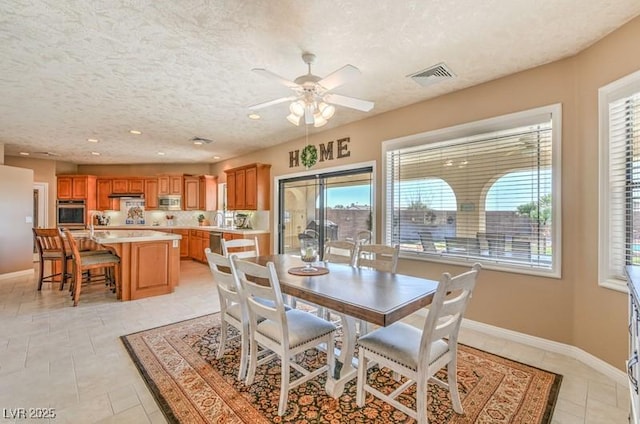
574,352
23,273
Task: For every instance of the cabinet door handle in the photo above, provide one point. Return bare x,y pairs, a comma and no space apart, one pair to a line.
631,363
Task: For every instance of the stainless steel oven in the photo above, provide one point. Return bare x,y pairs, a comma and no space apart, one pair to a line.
71,213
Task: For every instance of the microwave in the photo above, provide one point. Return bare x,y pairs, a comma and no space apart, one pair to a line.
170,203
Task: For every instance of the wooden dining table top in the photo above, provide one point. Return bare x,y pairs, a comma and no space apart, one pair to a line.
381,298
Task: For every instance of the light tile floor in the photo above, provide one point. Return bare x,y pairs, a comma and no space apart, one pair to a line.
53,355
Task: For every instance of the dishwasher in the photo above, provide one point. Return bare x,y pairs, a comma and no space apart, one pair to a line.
215,243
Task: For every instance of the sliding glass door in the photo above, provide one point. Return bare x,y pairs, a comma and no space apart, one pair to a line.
330,206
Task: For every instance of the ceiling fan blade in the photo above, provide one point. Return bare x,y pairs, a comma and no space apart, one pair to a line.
271,75
352,102
339,77
272,102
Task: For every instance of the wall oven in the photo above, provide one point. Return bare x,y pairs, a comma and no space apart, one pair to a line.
71,213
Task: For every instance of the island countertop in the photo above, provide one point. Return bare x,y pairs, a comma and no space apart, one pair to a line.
131,236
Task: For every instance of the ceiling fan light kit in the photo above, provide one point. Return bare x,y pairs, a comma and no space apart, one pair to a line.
312,98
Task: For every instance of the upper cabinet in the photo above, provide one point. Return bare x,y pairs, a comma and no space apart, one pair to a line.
151,193
200,193
104,187
77,187
170,184
128,185
248,187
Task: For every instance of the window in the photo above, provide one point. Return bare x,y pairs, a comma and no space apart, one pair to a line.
486,191
619,104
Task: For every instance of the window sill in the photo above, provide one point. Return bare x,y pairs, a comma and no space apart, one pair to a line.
463,261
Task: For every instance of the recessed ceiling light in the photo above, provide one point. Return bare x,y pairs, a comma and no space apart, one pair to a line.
254,116
24,153
95,153
161,153
136,132
92,140
216,157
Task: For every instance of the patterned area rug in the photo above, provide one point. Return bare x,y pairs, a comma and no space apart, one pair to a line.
178,362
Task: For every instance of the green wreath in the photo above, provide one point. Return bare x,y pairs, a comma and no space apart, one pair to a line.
309,156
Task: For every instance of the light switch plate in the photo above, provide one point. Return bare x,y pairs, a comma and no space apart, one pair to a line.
28,219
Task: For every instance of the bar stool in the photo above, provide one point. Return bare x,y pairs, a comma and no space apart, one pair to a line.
50,248
81,263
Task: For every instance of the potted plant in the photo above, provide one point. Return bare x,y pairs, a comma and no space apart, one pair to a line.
202,220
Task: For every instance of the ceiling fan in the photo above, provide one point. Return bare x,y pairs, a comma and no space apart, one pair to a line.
313,98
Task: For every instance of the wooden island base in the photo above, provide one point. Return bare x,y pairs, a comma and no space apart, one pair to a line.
150,264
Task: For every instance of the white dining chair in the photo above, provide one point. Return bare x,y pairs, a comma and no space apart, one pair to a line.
285,332
418,354
242,248
233,310
378,256
339,251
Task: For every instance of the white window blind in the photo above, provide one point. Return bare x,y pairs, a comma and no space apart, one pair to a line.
486,196
620,190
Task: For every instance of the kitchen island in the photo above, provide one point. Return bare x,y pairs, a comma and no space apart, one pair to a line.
149,260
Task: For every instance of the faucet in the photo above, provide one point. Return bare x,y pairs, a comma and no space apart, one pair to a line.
220,221
92,215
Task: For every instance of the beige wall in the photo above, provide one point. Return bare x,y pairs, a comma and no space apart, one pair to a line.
572,309
16,238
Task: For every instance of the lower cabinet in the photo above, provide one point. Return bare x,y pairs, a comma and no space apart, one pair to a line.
198,241
184,243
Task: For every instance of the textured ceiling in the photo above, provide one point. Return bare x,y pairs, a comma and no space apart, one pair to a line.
77,69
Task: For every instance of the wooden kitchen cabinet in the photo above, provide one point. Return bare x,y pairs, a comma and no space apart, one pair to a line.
200,193
208,193
170,185
184,242
76,187
127,185
104,187
248,187
191,193
151,193
198,241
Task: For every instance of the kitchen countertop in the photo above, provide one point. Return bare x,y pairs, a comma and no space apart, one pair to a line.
181,227
131,236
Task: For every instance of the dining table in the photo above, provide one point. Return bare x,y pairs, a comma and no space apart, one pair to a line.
352,293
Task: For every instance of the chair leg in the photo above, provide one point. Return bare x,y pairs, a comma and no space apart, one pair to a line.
362,378
284,384
223,338
63,273
77,286
452,381
253,359
244,351
40,274
421,400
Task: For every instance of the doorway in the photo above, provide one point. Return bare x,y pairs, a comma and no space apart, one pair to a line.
334,205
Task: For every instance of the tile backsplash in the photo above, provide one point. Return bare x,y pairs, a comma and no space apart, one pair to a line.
259,219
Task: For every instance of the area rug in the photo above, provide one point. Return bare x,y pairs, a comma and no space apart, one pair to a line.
178,362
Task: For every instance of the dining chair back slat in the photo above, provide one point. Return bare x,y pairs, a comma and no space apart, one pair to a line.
242,248
339,251
378,256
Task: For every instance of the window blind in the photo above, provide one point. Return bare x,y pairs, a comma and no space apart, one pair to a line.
624,184
486,197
